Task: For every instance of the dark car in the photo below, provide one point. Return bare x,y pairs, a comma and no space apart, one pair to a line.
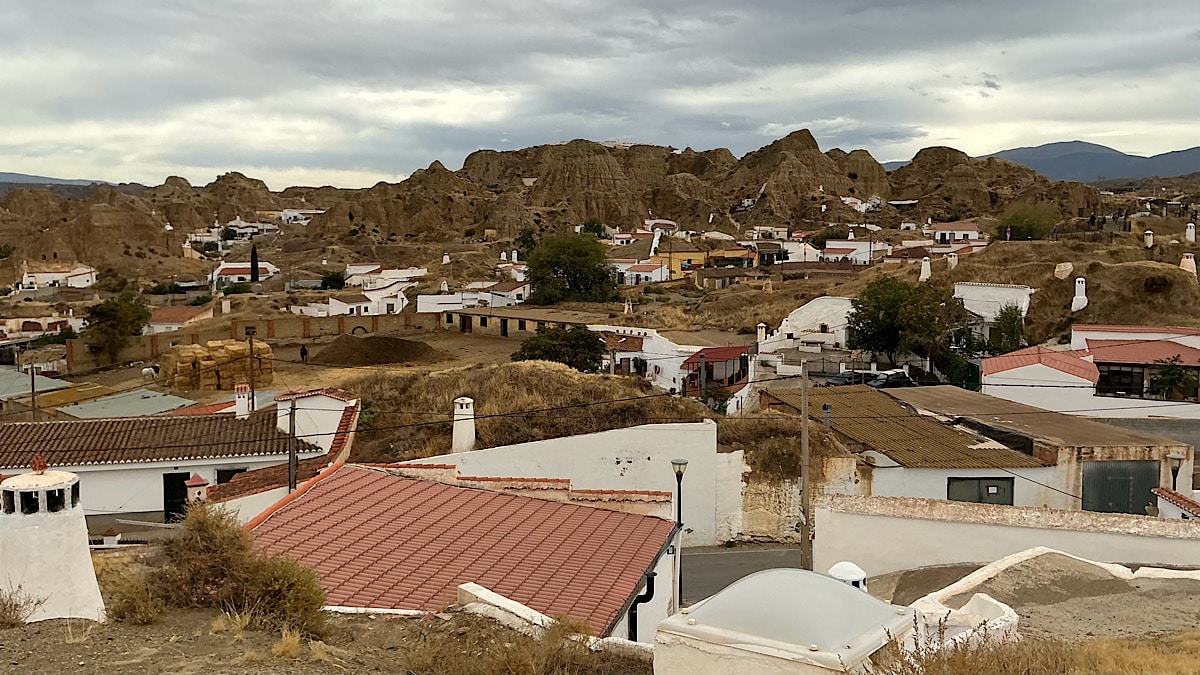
891,380
849,377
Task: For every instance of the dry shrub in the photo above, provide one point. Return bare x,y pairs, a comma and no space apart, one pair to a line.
988,654
16,606
487,647
212,562
318,650
288,646
1177,653
771,442
127,595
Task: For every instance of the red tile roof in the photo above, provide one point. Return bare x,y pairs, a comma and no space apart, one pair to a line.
956,227
331,392
210,409
1143,352
838,251
383,541
234,270
1111,328
1184,502
181,314
507,286
715,355
1063,361
644,268
143,439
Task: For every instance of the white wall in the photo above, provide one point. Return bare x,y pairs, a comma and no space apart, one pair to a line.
317,419
637,458
46,556
663,604
246,508
1044,387
889,535
931,484
804,324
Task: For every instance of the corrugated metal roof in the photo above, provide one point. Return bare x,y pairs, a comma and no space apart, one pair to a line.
880,423
136,403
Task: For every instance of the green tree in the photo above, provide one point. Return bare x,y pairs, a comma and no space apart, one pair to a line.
334,280
228,233
113,322
59,338
1023,221
6,251
254,263
1173,380
577,347
1008,332
874,321
525,243
932,320
818,239
594,226
570,268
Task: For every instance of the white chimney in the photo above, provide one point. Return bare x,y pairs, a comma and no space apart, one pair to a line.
1191,233
1148,238
241,401
464,425
1188,264
197,488
951,260
1080,300
324,261
850,236
762,332
503,256
514,256
926,269
445,287
628,305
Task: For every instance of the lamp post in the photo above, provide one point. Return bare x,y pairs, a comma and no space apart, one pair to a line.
679,465
1175,460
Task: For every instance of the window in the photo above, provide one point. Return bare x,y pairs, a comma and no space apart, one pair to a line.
1120,380
541,325
10,501
29,502
226,475
483,322
521,324
824,328
449,318
75,494
520,297
980,490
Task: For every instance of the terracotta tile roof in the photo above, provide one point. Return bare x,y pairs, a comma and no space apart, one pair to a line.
838,251
181,314
507,286
143,439
271,477
234,270
1141,352
622,343
210,409
1068,362
956,227
331,392
878,422
1110,328
1189,505
715,355
383,541
645,268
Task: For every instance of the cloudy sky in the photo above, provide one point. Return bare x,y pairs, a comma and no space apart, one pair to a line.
351,92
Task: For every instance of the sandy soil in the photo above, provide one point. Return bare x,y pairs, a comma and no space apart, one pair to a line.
183,642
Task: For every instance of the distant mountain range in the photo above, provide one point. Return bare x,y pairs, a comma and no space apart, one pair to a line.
1089,162
6,177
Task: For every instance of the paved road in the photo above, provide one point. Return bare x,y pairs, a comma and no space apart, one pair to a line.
708,570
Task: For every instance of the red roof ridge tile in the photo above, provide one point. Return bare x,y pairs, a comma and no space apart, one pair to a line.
331,392
513,479
1179,499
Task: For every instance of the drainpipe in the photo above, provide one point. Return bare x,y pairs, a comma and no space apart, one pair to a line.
633,607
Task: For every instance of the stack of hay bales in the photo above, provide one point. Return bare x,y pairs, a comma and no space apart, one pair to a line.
217,365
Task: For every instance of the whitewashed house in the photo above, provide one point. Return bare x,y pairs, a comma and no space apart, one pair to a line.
167,319
985,301
478,294
631,273
368,301
374,274
857,251
818,324
239,273
300,216
964,231
57,276
140,465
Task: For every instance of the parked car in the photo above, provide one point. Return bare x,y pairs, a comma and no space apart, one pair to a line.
850,377
892,379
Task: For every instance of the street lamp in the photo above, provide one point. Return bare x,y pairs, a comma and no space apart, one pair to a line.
1175,460
679,465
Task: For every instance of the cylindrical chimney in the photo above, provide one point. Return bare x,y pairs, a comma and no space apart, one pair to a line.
464,425
445,258
1148,238
762,332
503,256
1188,264
926,269
1080,300
1190,235
514,256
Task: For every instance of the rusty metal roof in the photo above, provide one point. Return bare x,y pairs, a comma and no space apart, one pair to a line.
878,422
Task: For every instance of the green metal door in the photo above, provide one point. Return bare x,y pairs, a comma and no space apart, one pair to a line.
1119,486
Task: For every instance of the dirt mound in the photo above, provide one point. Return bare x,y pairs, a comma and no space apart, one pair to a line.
374,350
1046,580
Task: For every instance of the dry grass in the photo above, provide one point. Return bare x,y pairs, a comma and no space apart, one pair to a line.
127,594
288,646
16,606
1178,653
501,389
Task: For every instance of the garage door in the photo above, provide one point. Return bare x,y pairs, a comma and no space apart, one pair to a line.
1119,487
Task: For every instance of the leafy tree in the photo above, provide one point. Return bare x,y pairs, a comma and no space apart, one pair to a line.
6,251
110,281
1028,221
577,347
210,247
1008,332
1173,380
818,239
525,242
933,319
59,338
113,322
254,263
236,289
570,268
200,300
163,289
716,397
228,233
333,279
594,226
874,321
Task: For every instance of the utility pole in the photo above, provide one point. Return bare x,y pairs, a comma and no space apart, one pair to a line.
806,551
703,377
293,467
32,386
612,361
250,331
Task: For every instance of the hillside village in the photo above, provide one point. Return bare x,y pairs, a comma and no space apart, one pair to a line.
625,406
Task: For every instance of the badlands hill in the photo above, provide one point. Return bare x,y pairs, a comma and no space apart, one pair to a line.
544,188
